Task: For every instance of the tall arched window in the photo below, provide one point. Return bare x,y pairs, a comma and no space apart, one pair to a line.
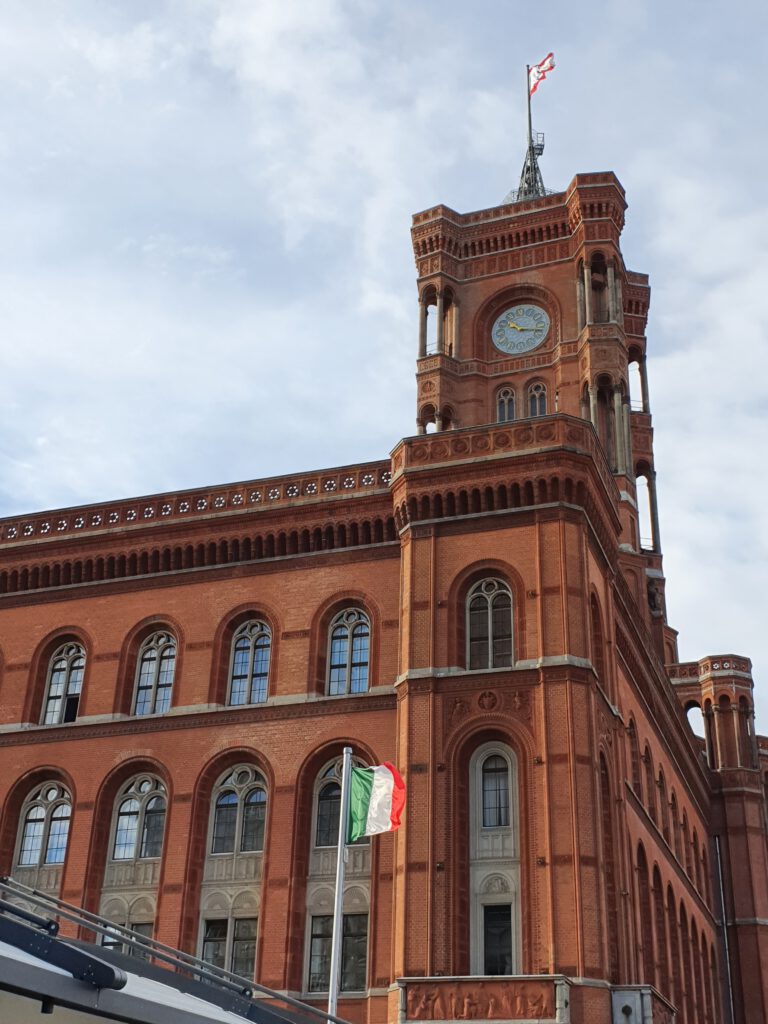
494,865
154,674
44,829
348,652
505,405
537,399
489,625
139,820
239,812
64,683
249,664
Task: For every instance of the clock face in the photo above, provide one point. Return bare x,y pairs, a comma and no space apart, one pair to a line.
520,328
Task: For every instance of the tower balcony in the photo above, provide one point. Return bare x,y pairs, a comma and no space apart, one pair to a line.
516,438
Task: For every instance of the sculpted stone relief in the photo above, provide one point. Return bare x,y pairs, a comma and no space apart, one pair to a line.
481,1000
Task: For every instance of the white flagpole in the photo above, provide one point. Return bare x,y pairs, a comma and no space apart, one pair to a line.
341,862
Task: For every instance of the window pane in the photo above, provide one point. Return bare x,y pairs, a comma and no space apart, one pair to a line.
320,953
145,928
502,630
215,943
32,836
58,832
328,809
354,950
478,632
165,679
260,670
244,947
56,688
127,830
359,668
495,792
238,689
76,675
146,682
224,823
337,677
154,825
254,813
497,939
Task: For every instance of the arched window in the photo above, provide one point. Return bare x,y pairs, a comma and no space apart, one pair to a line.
494,865
537,399
154,674
239,812
64,683
44,830
249,664
489,625
348,652
505,405
140,820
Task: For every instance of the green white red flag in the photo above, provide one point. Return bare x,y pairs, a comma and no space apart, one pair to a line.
376,801
539,72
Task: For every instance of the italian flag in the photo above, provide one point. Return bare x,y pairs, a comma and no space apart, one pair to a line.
376,801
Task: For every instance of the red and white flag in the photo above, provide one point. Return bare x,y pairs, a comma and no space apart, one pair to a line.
539,72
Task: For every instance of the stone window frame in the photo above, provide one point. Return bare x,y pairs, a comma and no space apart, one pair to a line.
256,780
537,391
132,790
70,652
158,641
256,629
49,804
505,395
229,940
477,588
311,918
351,617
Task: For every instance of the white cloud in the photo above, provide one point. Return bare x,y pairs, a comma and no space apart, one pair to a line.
205,269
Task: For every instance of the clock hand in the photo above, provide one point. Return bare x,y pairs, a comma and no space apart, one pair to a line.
511,323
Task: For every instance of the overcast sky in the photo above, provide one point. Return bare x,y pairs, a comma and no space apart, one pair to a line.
205,262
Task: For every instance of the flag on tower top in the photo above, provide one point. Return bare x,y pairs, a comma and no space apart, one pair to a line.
376,801
539,72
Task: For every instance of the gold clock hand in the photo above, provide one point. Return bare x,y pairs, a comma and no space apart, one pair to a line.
511,323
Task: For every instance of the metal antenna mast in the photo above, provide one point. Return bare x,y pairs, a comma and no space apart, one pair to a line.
531,183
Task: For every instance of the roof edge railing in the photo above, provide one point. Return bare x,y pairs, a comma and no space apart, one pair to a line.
175,958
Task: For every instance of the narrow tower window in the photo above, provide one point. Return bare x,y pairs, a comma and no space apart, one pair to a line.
537,399
505,405
489,625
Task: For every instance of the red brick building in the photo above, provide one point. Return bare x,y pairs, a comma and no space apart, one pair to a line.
179,674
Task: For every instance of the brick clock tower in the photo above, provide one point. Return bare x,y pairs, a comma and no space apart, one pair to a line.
179,674
531,453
